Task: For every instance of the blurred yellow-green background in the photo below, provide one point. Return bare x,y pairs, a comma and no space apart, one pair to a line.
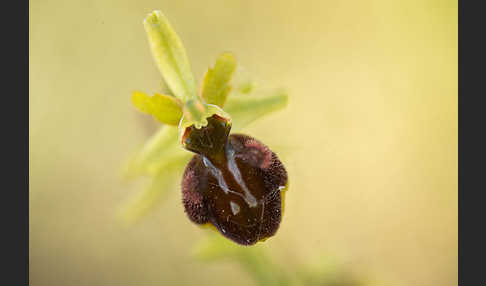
369,137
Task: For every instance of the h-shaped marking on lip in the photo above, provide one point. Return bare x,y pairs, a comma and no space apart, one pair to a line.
249,198
235,208
233,168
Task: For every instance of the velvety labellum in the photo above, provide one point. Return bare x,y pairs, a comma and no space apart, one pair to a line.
234,182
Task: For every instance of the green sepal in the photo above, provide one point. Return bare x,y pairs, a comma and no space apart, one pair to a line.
245,109
162,183
160,149
170,56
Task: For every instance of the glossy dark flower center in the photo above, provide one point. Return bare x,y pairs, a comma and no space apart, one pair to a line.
234,185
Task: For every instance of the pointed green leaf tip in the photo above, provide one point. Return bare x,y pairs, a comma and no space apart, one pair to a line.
170,56
165,108
216,86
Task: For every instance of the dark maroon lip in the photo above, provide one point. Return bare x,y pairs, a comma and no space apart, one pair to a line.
209,140
233,182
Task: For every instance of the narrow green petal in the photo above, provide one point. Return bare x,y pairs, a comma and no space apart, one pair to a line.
170,56
245,109
142,102
165,108
216,82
